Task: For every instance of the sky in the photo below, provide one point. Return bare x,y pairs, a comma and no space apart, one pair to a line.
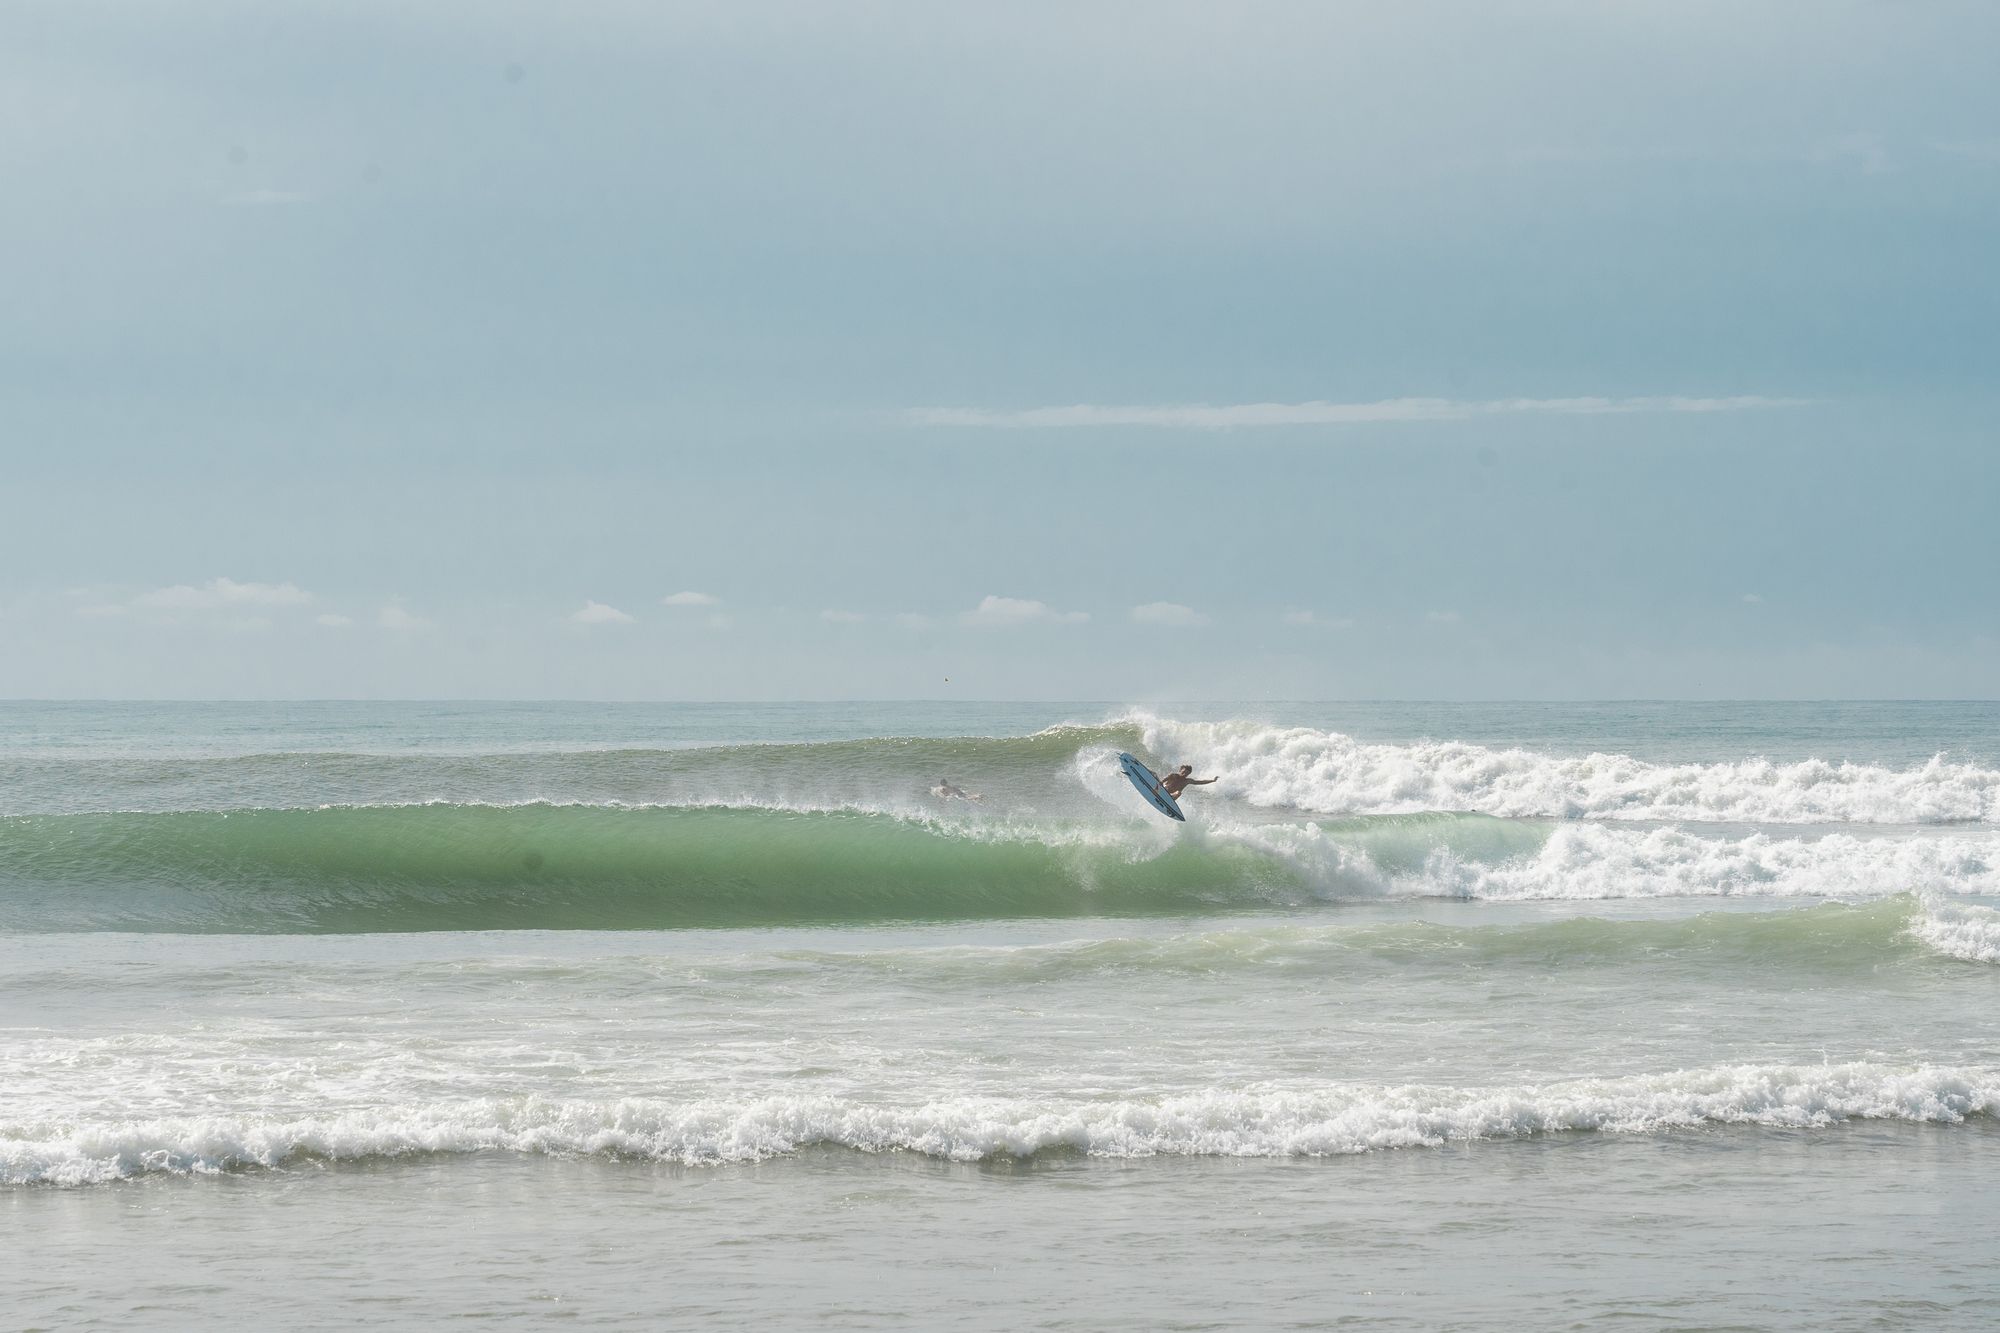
1122,351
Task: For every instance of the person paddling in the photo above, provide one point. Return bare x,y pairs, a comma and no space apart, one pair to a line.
946,791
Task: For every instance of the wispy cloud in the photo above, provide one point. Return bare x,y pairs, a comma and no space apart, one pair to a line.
221,594
1315,618
1168,613
597,613
1234,416
690,599
1003,611
1442,617
1752,598
225,603
833,617
398,617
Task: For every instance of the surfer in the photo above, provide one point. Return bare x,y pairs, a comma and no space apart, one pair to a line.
1181,779
944,791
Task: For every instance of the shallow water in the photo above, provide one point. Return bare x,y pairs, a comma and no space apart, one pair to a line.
1869,1226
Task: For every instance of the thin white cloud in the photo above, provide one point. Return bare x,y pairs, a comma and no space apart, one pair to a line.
1003,611
1246,415
1442,617
1168,613
833,617
1315,618
690,599
334,620
1752,598
597,613
221,594
397,617
911,619
100,610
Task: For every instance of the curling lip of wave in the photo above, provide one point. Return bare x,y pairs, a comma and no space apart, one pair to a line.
1323,1121
1327,772
866,773
1056,739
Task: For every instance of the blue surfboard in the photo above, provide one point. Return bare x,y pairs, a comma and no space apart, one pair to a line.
1150,788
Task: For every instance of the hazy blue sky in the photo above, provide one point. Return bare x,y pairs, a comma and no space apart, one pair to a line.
1547,349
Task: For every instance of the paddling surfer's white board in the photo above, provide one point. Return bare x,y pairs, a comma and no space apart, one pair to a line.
1150,788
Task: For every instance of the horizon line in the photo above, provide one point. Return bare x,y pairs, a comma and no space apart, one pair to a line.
933,699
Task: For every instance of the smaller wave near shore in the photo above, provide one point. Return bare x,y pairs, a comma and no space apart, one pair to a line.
1323,1121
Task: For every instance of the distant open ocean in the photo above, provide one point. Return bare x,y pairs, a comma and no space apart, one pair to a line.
1432,1016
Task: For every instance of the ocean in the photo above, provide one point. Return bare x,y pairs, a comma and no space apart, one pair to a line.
1467,1016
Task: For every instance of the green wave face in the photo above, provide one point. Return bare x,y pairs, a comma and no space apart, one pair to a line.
454,866
457,867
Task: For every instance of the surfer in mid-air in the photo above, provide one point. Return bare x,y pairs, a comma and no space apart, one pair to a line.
1181,779
1162,793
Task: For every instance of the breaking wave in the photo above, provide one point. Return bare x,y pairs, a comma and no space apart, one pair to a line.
1325,772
